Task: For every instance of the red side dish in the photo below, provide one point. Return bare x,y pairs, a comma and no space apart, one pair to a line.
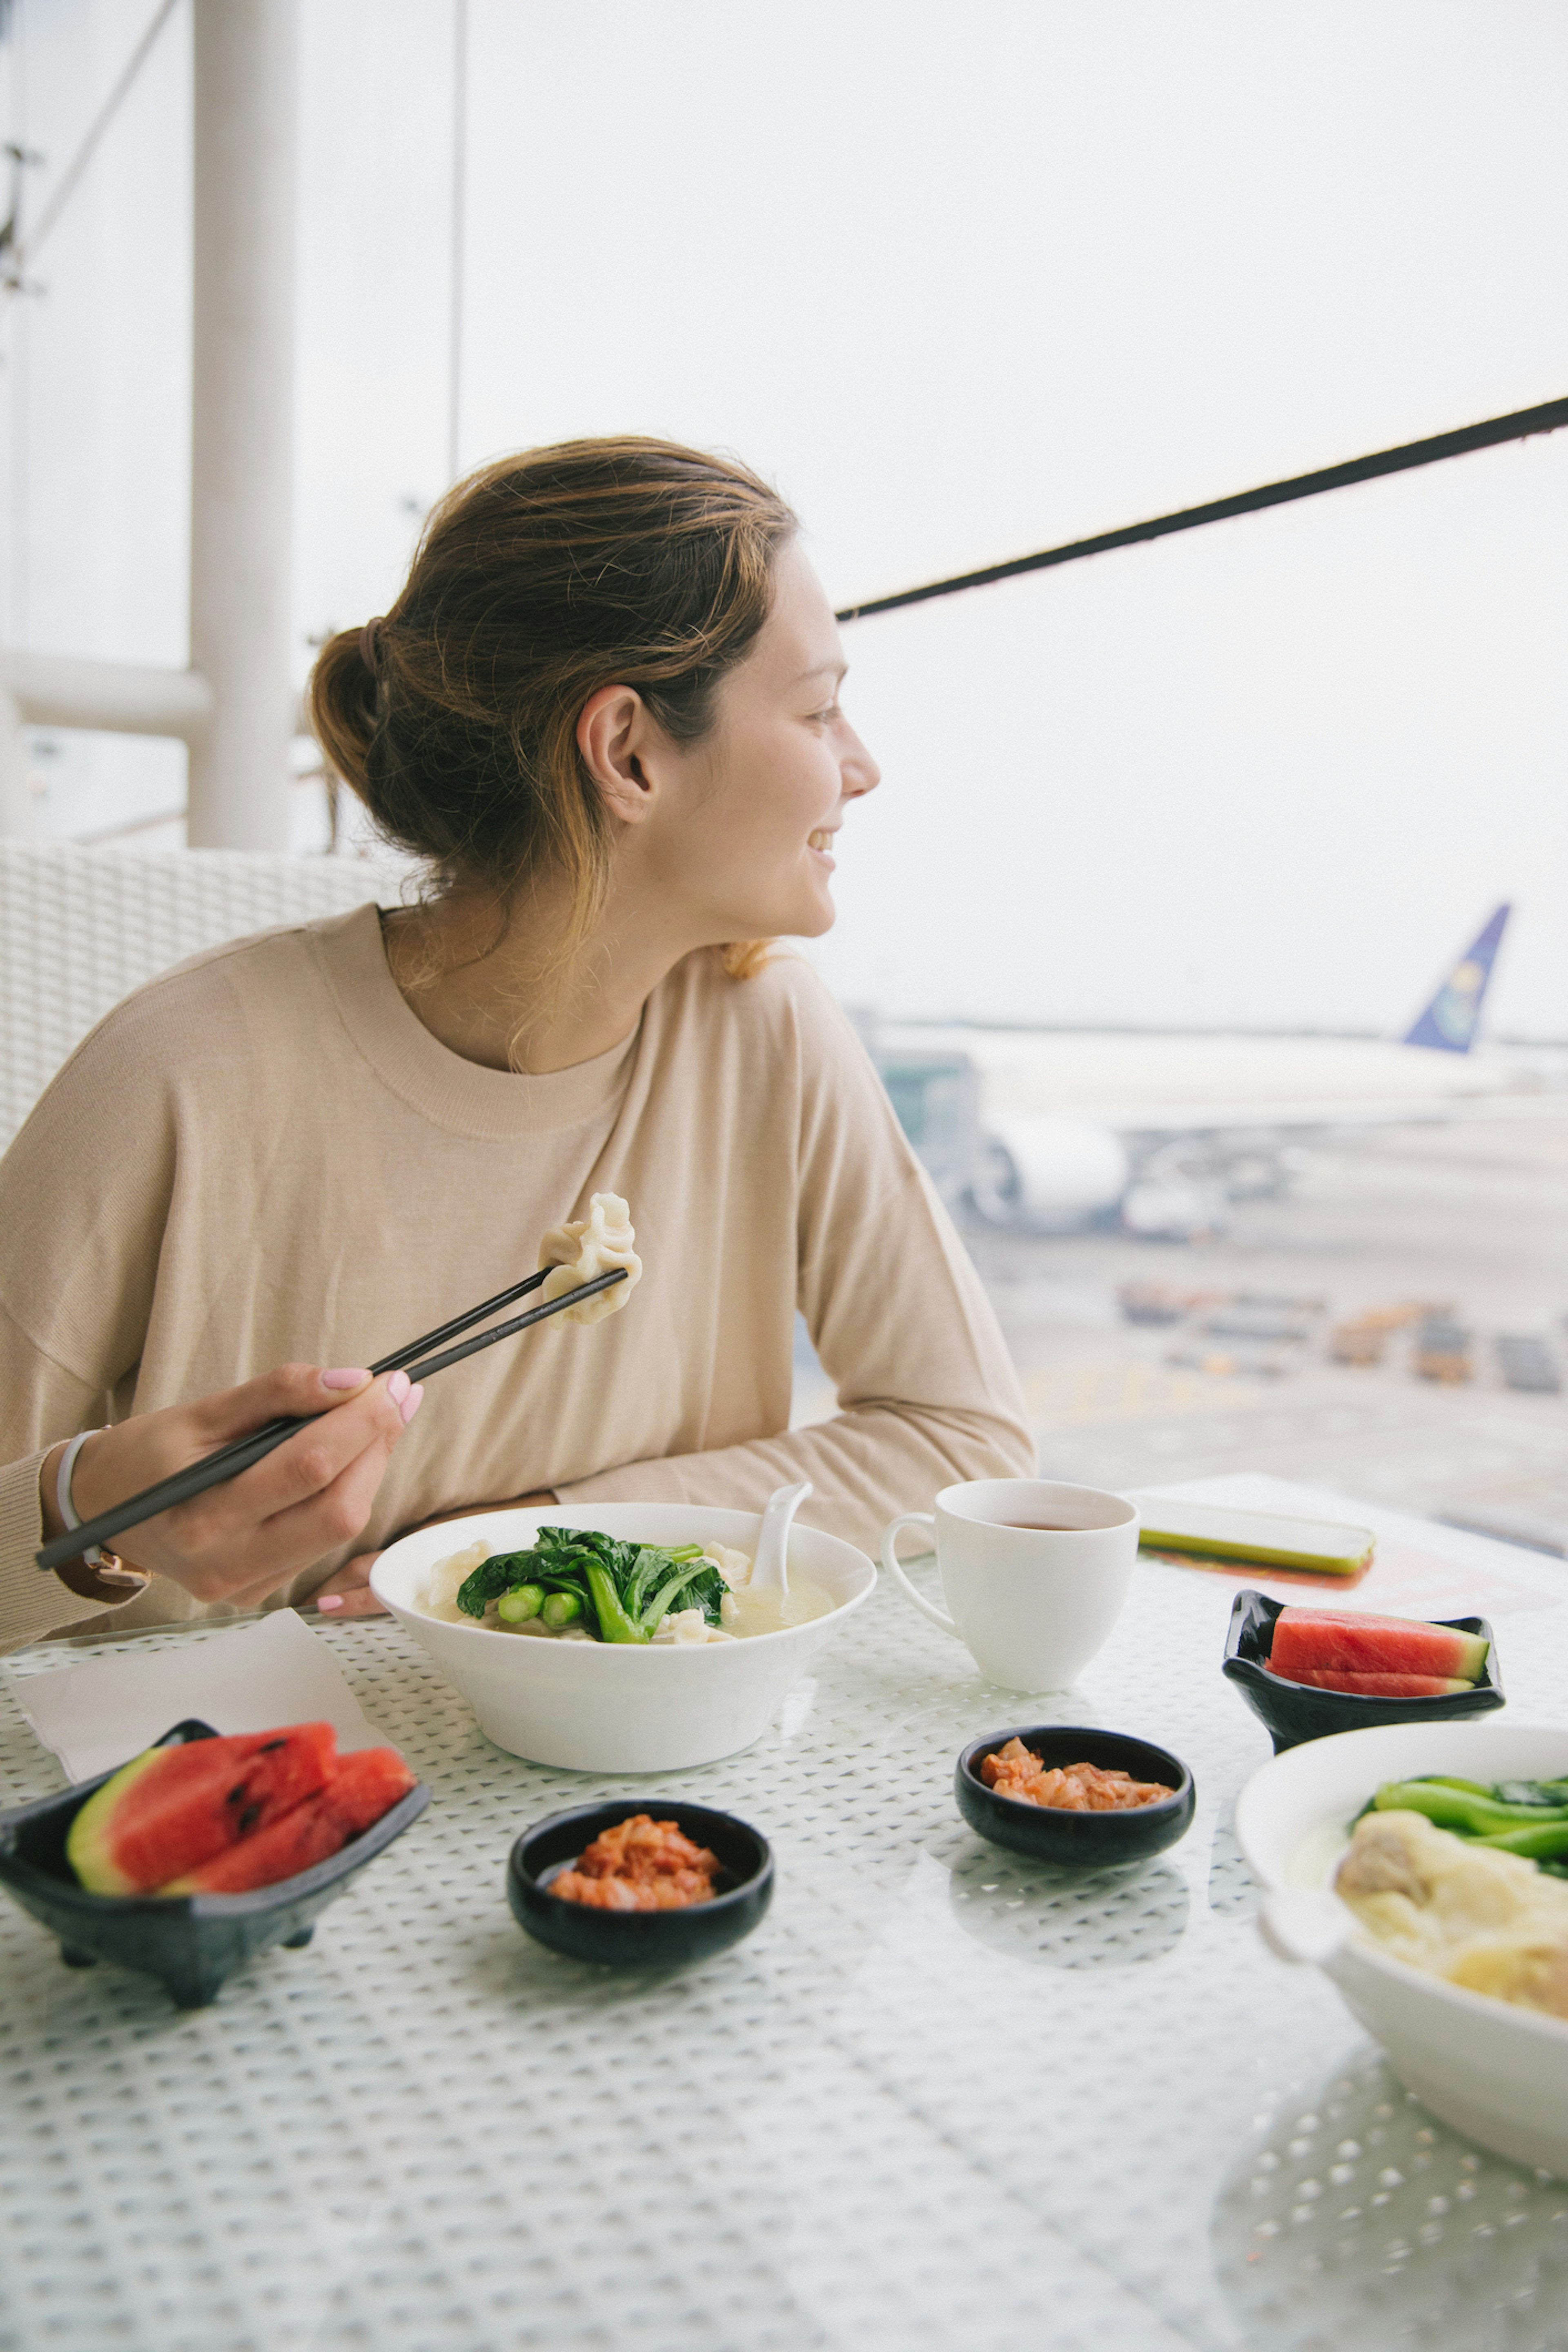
639,1864
1016,1771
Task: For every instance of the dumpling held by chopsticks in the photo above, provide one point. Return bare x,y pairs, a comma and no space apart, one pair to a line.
586,1247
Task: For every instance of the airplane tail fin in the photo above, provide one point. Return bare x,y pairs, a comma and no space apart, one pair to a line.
1449,1022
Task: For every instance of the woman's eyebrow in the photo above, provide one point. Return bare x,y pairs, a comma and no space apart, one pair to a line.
822,669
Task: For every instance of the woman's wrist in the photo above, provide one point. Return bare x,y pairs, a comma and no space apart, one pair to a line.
87,1578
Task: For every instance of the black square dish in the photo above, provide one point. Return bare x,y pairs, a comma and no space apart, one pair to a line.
1078,1841
1295,1712
640,1939
190,1942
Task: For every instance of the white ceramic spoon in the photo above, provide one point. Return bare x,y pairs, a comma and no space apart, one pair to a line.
770,1566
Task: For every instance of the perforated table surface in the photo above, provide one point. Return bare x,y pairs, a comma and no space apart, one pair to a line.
941,2099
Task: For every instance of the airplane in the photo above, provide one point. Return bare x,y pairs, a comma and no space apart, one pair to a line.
1051,1130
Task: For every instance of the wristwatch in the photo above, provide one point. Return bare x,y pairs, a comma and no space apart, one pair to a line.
107,1566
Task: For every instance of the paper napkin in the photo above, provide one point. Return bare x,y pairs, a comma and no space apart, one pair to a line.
100,1716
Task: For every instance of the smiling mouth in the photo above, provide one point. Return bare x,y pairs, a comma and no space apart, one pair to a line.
822,838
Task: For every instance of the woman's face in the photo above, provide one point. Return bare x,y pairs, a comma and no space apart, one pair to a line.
743,830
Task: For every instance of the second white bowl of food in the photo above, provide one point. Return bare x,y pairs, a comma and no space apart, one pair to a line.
1495,2071
604,1707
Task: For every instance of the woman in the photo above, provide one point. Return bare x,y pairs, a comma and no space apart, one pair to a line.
604,710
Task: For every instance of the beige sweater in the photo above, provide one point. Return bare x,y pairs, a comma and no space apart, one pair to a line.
265,1157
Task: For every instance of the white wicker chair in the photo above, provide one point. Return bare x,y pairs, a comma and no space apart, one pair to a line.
79,928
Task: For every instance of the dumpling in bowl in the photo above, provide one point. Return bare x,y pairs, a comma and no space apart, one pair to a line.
1490,1921
586,1247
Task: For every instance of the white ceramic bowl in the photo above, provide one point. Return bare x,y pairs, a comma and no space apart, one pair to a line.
1498,2074
597,1707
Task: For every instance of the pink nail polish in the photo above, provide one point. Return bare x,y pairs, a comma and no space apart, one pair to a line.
397,1387
344,1379
412,1403
330,1600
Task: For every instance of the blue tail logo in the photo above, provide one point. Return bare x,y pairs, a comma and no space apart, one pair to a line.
1449,1022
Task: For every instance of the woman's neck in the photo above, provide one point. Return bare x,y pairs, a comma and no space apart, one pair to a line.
497,990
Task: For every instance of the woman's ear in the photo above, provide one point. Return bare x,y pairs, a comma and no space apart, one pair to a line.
614,735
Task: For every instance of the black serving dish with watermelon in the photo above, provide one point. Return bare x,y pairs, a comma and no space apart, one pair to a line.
1295,1712
192,1943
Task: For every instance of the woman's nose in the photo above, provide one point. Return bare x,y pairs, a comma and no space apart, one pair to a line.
859,771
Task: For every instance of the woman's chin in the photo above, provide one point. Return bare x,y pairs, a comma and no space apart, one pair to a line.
814,913
804,915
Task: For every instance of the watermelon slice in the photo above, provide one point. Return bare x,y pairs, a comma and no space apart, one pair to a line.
1372,1685
171,1809
365,1785
1353,1642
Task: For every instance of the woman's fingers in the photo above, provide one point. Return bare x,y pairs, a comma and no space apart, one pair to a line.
292,1389
332,1510
348,1593
309,1462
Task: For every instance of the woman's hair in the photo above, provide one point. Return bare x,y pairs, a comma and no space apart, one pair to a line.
537,581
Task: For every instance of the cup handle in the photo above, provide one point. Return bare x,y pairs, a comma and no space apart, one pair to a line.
892,1563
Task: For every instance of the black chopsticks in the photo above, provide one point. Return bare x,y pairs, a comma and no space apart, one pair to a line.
228,1461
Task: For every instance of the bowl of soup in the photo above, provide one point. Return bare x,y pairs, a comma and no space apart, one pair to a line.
557,1695
1496,2070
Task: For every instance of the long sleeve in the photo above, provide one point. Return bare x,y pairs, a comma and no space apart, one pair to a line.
33,1388
84,1193
927,1393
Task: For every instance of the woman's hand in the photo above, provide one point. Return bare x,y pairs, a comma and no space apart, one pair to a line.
348,1593
240,1541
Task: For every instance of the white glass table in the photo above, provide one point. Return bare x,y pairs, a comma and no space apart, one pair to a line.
941,2099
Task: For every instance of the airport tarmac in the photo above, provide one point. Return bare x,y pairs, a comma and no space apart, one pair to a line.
1470,1217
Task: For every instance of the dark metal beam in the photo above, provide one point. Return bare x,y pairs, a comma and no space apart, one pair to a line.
1547,419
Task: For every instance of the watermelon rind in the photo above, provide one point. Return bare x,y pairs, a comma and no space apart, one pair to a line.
86,1847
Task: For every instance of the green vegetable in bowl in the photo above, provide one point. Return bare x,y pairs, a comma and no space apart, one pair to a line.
523,1602
620,1591
1523,1816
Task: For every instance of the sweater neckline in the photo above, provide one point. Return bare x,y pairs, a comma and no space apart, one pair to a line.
463,1097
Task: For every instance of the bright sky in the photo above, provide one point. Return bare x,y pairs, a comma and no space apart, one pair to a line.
964,281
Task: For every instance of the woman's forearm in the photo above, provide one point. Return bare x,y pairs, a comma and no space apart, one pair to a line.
865,1465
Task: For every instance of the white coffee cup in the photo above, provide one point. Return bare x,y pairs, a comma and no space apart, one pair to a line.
1033,1571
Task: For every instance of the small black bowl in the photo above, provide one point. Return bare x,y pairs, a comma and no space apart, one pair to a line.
640,1939
191,1942
1078,1841
1294,1713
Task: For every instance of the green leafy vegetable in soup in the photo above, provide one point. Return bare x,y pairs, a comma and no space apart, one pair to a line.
1522,1817
618,1591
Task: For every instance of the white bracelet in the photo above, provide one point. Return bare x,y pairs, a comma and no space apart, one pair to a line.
110,1567
67,1509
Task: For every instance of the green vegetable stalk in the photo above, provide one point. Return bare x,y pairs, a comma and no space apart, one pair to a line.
523,1602
562,1609
616,1624
1467,1809
1547,1840
659,1607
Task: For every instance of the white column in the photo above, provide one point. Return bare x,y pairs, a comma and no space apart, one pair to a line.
242,418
